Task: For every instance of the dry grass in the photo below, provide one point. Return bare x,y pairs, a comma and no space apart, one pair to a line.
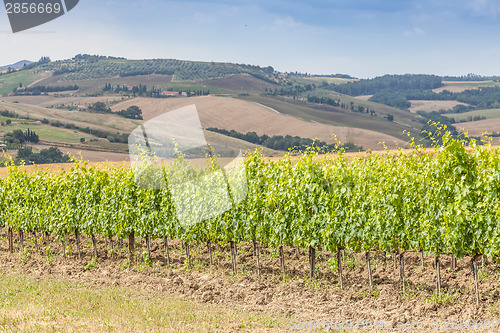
51,100
244,116
334,80
429,106
240,82
106,122
477,128
51,305
364,97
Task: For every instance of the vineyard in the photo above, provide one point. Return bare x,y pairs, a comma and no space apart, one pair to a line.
443,201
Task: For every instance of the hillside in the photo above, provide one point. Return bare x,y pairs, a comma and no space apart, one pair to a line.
229,96
18,64
246,116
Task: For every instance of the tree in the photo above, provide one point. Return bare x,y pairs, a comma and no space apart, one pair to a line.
132,112
99,107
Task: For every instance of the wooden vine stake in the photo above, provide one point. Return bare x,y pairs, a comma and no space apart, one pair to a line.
131,246
402,269
188,255
47,240
111,245
475,274
438,275
165,241
94,244
369,267
36,242
453,262
233,255
282,261
77,236
256,250
63,244
148,245
339,269
312,261
422,258
209,249
11,242
21,239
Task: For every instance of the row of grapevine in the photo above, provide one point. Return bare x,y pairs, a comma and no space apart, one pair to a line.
441,201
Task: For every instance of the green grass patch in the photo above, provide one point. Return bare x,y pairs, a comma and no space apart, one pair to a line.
28,305
48,133
469,116
472,84
11,81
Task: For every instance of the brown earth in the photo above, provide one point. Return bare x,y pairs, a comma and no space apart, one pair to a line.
297,297
244,116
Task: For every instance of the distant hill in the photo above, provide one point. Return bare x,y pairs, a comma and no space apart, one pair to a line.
19,64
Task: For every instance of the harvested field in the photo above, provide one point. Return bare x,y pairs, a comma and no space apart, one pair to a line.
244,116
48,101
477,128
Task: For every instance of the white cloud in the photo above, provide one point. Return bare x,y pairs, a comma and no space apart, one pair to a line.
287,22
204,18
490,8
414,32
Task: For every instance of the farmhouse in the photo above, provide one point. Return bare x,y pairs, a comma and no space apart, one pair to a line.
170,93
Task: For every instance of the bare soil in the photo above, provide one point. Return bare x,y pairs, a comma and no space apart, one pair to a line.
295,296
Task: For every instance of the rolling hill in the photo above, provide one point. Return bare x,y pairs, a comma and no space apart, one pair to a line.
18,64
246,116
241,97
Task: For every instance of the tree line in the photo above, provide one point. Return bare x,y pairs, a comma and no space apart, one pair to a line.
287,142
386,83
38,90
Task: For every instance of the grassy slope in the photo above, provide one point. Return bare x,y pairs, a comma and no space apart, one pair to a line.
318,79
49,133
329,115
472,84
11,81
489,114
402,116
107,122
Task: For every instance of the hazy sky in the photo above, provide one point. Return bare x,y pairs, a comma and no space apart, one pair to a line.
364,38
